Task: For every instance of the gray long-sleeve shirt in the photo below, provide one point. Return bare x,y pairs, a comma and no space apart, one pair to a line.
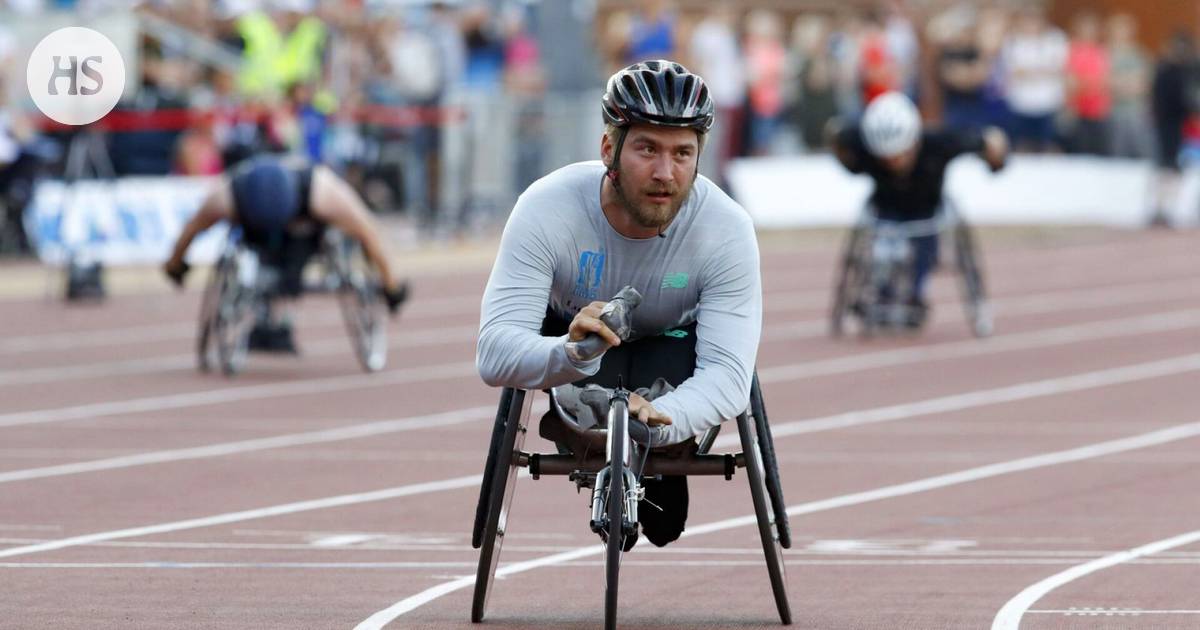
559,251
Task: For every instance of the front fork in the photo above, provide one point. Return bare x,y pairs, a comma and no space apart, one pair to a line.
617,450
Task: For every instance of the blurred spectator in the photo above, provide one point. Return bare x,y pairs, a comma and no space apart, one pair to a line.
1089,88
652,32
878,68
963,70
525,82
17,169
281,48
902,45
991,33
1132,136
764,57
614,40
484,69
1175,91
845,49
813,101
1034,59
197,152
717,59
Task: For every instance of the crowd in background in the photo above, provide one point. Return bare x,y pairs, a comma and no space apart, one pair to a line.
370,87
1091,88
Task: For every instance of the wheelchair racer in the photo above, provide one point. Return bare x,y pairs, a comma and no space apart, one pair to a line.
282,204
908,165
643,217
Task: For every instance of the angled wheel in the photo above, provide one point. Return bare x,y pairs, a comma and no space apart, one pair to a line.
237,302
770,464
503,482
359,300
768,534
206,347
849,280
974,297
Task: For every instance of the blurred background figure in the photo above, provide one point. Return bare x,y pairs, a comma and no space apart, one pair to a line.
716,56
1176,81
1089,85
811,89
651,32
765,56
963,69
879,67
1034,59
1132,136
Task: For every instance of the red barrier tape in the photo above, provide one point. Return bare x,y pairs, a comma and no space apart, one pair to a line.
182,119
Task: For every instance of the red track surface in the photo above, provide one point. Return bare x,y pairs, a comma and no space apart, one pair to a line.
871,436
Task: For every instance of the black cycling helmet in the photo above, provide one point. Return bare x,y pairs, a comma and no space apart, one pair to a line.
658,93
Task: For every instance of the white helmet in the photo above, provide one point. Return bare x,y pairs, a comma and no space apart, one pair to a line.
891,125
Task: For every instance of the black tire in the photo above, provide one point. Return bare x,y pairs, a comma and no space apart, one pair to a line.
206,355
360,303
503,485
974,295
489,468
848,279
616,528
772,549
235,315
770,464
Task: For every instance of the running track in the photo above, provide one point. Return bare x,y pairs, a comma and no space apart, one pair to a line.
1043,478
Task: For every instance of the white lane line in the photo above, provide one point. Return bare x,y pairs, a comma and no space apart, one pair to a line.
1154,438
955,402
1074,333
418,374
101,337
1009,617
470,481
245,446
1032,304
1110,612
984,397
953,349
325,347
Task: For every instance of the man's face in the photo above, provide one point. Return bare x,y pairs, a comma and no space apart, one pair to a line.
657,169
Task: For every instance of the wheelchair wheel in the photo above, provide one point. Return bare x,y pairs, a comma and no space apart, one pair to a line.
850,279
772,548
770,464
616,529
235,314
978,312
360,302
206,351
502,477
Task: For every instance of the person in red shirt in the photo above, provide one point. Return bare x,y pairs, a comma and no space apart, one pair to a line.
1089,90
877,68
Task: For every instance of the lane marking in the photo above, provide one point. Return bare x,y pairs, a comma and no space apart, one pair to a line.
154,365
470,481
357,431
943,404
952,349
1154,438
1009,617
326,384
985,397
1110,612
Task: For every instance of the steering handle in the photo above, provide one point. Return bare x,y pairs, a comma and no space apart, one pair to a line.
618,316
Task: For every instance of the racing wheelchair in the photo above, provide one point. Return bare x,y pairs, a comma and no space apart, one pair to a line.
613,469
248,277
873,288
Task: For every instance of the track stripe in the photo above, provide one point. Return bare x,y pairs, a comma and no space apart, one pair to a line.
230,448
1009,617
1154,438
246,515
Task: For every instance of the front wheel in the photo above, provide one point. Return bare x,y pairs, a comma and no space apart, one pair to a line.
616,530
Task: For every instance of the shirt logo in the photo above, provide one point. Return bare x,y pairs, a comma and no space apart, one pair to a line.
675,281
587,279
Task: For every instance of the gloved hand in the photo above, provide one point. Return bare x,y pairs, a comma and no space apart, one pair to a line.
176,272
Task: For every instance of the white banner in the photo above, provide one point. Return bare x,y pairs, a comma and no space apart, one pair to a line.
815,190
132,220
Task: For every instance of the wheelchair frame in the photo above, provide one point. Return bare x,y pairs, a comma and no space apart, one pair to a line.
609,476
240,288
859,273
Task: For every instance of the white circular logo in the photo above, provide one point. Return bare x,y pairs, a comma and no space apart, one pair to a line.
75,75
